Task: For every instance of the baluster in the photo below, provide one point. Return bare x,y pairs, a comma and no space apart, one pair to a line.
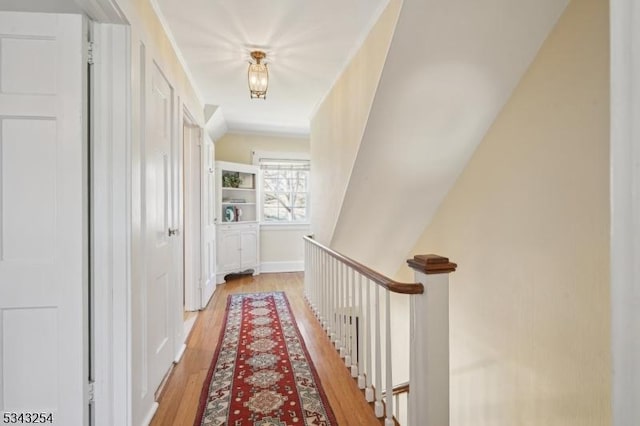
332,305
379,409
327,300
352,328
325,292
323,267
369,347
347,317
360,349
389,376
307,269
345,310
339,311
311,277
336,313
323,310
316,291
342,304
316,305
314,283
313,290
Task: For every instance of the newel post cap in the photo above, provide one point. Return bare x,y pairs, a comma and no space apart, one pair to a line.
431,264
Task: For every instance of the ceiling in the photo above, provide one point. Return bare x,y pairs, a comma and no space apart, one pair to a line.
308,44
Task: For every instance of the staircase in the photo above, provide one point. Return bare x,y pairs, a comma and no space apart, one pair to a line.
353,304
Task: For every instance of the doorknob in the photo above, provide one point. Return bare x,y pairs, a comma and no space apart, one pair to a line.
173,231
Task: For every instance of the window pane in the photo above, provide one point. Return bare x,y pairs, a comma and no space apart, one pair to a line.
270,213
300,200
270,200
286,183
285,195
300,182
270,184
283,214
299,214
283,199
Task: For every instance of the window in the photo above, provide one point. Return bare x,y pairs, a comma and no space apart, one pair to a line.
285,190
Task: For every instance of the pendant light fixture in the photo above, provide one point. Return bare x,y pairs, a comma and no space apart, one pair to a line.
258,76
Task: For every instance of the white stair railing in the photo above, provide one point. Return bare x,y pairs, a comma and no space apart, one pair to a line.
345,297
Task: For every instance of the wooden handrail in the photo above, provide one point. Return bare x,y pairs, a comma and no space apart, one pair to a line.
378,278
399,389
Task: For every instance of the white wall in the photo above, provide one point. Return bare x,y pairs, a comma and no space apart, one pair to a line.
281,247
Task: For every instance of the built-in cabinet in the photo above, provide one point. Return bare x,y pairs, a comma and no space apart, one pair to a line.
238,233
238,247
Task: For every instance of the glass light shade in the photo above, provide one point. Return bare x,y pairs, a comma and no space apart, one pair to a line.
258,80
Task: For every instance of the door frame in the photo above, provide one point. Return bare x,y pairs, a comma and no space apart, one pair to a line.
111,251
192,288
625,210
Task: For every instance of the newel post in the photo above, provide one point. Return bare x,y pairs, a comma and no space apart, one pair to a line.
429,344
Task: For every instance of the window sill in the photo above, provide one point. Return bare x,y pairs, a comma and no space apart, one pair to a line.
284,226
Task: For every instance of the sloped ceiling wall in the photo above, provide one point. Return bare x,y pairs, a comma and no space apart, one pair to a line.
339,123
450,68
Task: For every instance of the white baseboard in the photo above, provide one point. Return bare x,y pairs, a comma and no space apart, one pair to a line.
150,414
188,325
180,353
293,266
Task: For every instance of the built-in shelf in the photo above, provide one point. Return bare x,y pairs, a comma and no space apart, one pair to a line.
238,236
237,195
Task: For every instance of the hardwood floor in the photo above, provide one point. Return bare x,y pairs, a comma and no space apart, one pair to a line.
180,397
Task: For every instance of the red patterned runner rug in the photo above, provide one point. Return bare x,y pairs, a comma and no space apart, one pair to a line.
261,373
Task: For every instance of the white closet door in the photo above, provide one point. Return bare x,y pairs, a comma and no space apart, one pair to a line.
43,216
161,271
208,223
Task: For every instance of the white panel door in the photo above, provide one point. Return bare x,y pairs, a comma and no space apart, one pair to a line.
159,199
43,217
208,223
193,250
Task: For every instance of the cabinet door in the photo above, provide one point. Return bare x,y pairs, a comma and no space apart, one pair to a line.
249,253
229,251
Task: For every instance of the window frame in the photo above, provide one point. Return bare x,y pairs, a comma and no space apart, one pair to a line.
281,156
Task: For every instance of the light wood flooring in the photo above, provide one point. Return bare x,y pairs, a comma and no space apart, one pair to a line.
180,396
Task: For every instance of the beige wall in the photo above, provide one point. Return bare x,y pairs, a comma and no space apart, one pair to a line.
237,148
339,123
528,224
281,247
